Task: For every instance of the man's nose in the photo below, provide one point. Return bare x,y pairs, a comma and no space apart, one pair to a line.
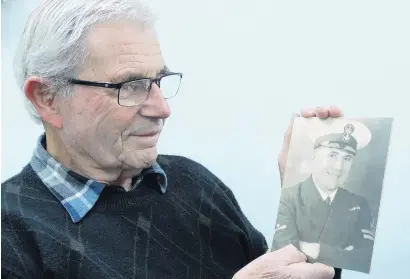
338,165
155,105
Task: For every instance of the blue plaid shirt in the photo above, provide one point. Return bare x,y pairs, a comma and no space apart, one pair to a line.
75,192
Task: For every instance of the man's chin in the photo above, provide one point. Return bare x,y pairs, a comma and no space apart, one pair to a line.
331,186
139,159
148,158
335,186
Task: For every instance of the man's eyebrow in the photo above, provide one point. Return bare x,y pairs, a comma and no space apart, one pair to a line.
164,70
129,77
132,76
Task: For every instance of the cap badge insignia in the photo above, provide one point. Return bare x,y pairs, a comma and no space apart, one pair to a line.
349,128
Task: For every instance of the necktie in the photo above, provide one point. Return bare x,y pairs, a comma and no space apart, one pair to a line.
328,201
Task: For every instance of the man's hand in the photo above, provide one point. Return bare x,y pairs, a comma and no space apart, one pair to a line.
310,249
319,112
285,263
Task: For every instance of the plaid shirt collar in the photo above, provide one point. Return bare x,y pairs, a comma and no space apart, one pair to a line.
76,193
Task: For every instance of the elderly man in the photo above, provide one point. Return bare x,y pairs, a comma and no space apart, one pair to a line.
96,200
320,216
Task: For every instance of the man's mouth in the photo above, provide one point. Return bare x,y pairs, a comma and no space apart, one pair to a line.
149,133
334,174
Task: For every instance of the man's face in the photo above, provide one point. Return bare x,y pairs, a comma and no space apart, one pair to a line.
331,167
106,134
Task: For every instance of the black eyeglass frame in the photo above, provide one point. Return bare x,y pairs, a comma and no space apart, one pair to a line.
118,86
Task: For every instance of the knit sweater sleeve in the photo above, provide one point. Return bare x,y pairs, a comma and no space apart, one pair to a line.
20,257
227,205
256,240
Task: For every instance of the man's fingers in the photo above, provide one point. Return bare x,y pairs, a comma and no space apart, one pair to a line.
286,256
271,264
283,154
335,111
288,132
310,271
319,112
323,271
322,112
308,112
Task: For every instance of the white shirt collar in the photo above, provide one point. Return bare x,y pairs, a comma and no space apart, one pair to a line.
325,195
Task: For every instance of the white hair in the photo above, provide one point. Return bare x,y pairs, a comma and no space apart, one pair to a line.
52,45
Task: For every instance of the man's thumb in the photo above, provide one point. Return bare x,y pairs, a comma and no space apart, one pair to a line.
286,256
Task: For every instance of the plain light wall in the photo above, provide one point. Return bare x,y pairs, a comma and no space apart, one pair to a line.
248,66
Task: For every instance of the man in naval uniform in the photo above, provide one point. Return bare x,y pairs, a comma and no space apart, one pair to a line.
319,216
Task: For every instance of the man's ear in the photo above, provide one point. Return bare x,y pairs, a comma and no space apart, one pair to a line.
37,90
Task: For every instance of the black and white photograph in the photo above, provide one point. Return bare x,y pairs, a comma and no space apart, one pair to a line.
332,190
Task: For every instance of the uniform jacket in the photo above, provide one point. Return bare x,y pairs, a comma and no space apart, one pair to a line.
343,228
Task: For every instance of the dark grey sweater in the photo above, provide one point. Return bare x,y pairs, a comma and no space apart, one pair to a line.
195,230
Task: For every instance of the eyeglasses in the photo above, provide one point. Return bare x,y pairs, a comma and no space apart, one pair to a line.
135,92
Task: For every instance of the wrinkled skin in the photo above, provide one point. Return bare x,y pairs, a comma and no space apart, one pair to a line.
90,132
285,263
